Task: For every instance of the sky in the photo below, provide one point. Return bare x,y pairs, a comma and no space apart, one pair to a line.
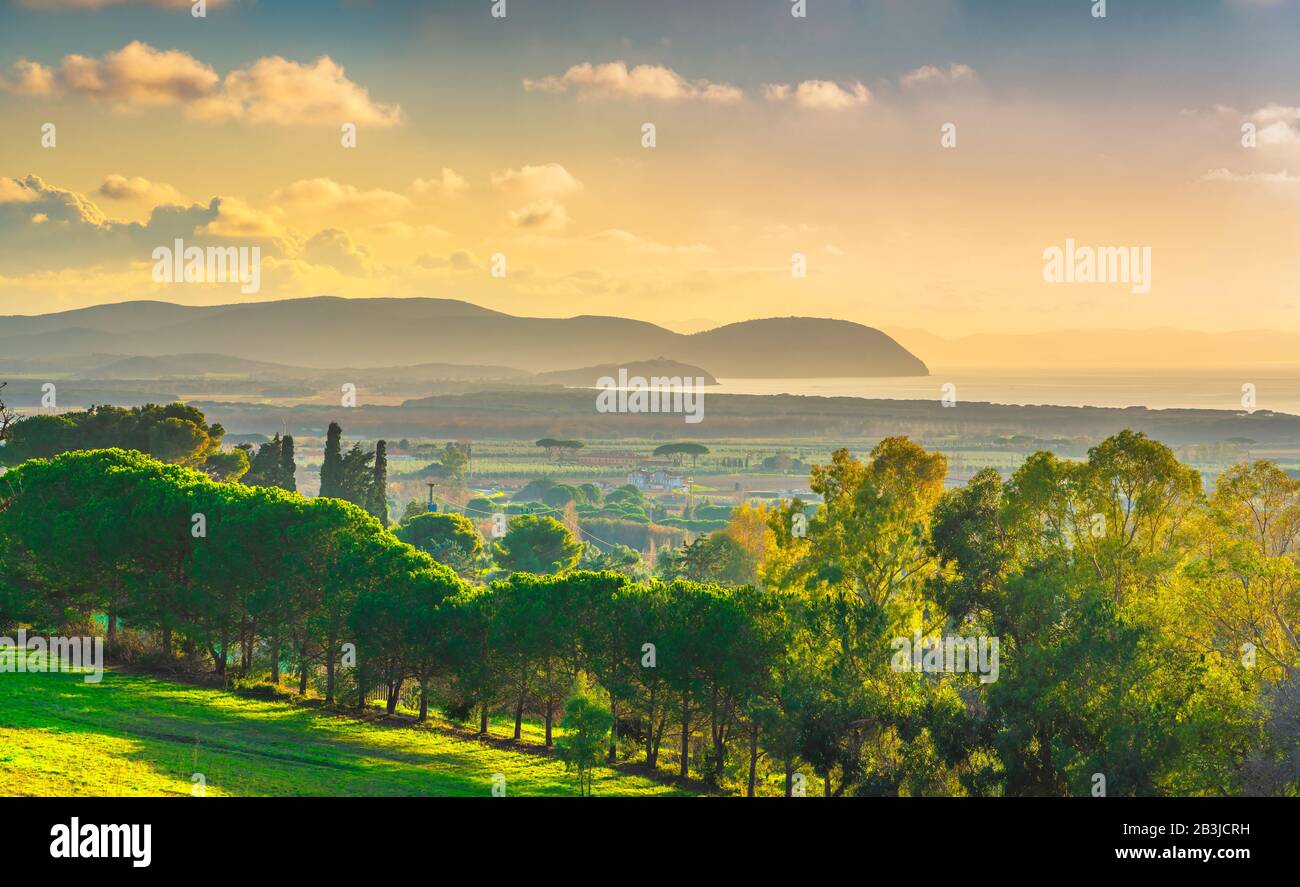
781,144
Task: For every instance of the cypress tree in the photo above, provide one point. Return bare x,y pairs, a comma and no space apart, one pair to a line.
331,470
288,468
379,489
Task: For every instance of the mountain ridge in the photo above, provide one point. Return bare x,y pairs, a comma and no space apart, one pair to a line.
331,331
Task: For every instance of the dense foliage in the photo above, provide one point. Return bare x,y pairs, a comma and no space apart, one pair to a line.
1148,631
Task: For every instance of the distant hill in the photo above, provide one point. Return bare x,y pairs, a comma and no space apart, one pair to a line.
587,377
183,366
328,332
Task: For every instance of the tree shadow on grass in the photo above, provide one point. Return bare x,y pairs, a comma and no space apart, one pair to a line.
262,748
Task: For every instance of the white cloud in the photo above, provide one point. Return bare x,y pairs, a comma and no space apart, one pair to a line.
272,90
544,180
235,218
448,184
335,248
1277,124
28,78
278,91
324,195
138,189
819,95
616,80
928,75
139,74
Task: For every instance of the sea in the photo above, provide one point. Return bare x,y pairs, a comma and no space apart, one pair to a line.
1203,389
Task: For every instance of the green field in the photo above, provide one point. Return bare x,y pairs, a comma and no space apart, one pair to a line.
133,735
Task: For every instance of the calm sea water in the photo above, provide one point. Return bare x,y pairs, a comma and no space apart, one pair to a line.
1211,389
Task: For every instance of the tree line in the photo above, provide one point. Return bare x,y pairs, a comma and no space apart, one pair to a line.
1148,630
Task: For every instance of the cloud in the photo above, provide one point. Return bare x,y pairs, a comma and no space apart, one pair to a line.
458,261
324,195
46,230
1277,124
277,91
139,74
138,189
546,180
237,219
448,184
14,191
1260,178
541,215
44,227
272,90
335,248
928,75
28,78
819,95
616,80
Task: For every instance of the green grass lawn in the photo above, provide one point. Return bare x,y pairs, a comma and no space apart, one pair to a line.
133,735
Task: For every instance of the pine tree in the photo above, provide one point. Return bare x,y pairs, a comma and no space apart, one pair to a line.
331,470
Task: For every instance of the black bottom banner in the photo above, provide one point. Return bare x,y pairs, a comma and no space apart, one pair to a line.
141,837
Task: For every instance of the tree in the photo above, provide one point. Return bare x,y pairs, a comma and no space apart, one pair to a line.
448,538
557,448
331,469
287,479
749,529
675,451
378,500
273,466
536,544
715,557
561,495
1245,591
586,722
227,466
414,508
358,476
871,536
473,667
455,460
618,559
175,433
7,418
396,622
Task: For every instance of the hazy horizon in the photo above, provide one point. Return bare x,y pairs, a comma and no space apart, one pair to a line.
524,138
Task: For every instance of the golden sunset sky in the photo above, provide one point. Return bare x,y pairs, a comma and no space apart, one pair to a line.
775,135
